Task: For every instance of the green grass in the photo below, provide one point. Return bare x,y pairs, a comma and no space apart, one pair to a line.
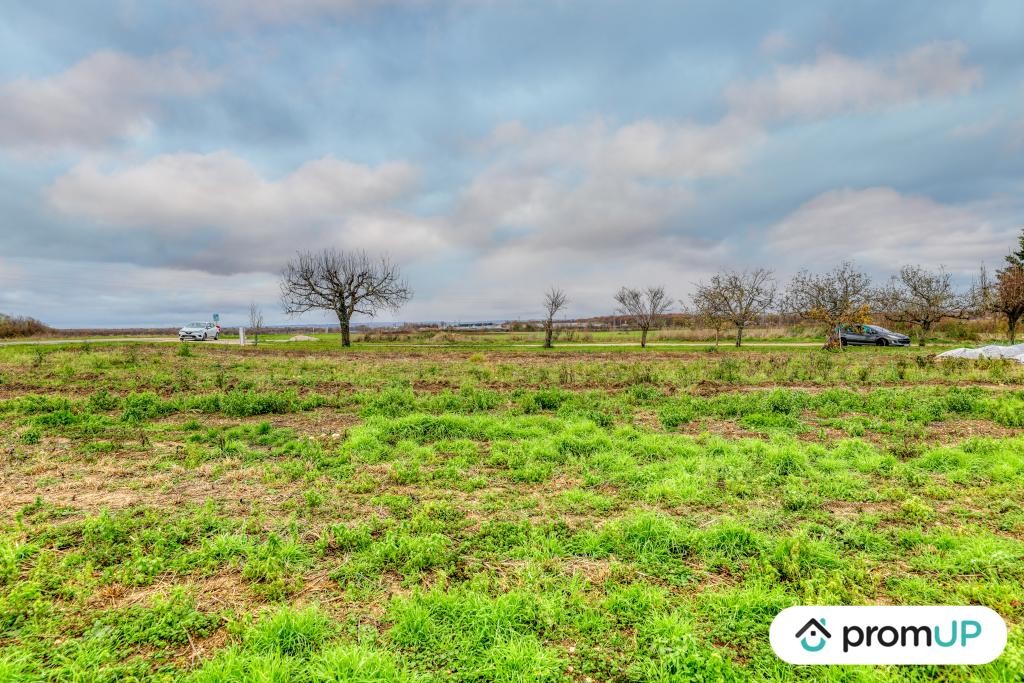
280,515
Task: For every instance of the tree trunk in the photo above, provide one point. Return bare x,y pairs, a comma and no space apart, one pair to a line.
834,340
343,323
1011,325
548,333
643,337
924,333
739,335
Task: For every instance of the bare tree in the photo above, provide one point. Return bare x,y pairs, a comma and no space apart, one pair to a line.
922,298
255,322
554,301
706,312
643,307
738,297
841,296
347,283
982,293
1006,297
1003,297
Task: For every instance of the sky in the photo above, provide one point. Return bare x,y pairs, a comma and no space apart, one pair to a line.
161,161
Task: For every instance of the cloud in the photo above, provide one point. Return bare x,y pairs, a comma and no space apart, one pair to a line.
599,187
12,281
571,205
775,42
881,228
642,148
594,186
509,282
79,294
276,12
106,97
217,212
835,84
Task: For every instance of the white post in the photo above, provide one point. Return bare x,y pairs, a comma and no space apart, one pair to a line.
241,336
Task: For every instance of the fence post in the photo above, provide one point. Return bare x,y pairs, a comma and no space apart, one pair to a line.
241,336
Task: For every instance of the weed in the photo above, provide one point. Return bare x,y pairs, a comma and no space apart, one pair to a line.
290,631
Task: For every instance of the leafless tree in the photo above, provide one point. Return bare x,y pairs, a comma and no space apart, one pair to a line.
982,293
922,298
255,322
642,307
842,295
554,301
706,313
348,283
1006,298
738,297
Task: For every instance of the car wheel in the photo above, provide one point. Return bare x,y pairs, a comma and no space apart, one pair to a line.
882,342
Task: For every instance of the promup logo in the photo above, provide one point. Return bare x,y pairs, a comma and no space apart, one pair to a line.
888,635
817,630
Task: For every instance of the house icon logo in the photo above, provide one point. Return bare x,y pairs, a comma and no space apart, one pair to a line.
816,631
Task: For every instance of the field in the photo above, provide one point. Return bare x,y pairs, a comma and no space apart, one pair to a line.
299,513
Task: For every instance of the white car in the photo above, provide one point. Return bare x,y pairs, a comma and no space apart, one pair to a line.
199,331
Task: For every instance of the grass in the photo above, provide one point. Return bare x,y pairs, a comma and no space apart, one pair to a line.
428,514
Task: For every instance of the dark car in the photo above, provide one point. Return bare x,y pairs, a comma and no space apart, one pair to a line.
871,334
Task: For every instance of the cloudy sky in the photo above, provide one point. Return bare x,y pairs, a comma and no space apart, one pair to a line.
160,161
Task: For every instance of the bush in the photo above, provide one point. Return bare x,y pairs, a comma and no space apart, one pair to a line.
21,326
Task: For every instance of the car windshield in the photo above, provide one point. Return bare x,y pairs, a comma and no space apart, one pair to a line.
876,328
195,325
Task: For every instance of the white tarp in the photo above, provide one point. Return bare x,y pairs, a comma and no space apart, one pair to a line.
1015,352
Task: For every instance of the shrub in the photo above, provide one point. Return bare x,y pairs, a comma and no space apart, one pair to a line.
21,326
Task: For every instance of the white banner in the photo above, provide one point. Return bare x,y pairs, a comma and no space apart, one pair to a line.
888,635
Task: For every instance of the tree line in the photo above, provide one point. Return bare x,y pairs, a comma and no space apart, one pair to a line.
845,295
350,283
